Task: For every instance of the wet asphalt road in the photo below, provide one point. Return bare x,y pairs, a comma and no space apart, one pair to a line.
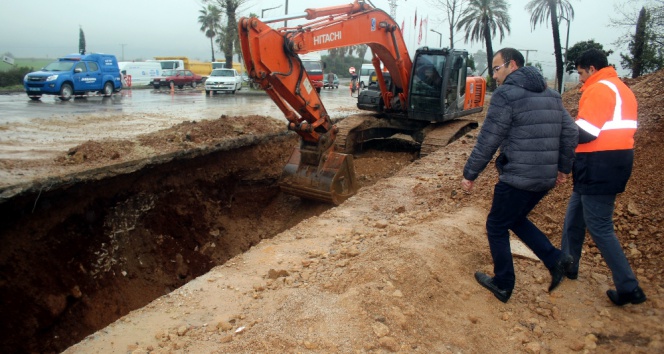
39,129
192,103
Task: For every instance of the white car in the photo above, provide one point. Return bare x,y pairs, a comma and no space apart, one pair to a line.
223,80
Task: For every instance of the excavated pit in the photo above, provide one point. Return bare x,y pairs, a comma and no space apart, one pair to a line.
80,255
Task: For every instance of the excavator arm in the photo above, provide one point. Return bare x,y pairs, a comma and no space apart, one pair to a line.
270,55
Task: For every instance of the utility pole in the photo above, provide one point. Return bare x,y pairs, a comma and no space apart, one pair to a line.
440,38
527,51
269,8
122,45
562,88
286,13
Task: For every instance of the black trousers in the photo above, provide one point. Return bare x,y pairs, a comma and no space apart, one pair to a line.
509,211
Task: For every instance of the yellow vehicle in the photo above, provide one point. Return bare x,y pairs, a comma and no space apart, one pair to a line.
197,67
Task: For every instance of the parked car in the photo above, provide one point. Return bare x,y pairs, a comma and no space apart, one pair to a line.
223,80
178,78
75,75
334,84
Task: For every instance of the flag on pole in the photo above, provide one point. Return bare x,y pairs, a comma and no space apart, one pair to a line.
415,24
419,37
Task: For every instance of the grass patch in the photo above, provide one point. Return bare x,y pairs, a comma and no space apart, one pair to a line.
34,63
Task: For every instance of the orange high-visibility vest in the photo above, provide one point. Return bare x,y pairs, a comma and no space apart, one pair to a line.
608,111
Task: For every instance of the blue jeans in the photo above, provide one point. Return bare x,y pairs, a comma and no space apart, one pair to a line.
509,211
595,212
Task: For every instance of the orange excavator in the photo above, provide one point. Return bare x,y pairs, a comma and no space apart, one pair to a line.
421,97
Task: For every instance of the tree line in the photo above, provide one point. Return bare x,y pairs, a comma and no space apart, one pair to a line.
483,21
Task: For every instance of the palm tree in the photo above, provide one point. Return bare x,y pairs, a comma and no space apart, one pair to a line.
481,20
231,40
209,19
553,10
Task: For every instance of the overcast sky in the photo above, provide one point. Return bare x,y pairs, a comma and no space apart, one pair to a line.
142,29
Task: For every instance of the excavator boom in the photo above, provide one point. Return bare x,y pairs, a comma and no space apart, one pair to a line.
315,170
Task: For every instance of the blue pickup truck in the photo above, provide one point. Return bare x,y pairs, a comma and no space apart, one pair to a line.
75,74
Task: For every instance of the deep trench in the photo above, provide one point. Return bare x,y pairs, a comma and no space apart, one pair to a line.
78,257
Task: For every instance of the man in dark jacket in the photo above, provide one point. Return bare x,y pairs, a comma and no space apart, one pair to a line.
537,138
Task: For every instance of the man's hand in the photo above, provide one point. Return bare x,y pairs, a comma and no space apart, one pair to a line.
467,185
562,178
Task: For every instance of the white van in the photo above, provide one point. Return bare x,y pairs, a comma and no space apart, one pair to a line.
140,72
365,75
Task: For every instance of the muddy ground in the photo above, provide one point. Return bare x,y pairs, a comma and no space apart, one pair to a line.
109,226
390,270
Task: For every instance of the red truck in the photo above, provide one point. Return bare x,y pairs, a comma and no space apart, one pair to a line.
314,66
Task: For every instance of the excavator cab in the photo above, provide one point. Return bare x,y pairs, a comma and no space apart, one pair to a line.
438,84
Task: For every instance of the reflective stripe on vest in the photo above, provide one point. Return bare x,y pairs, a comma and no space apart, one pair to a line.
615,123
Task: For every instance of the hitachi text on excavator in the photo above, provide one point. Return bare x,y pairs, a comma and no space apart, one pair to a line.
421,96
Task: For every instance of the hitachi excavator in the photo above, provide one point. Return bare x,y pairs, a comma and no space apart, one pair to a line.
420,97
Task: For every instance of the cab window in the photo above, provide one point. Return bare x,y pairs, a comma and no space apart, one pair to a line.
80,67
428,77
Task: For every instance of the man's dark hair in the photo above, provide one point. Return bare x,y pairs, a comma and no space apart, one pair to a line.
592,57
509,54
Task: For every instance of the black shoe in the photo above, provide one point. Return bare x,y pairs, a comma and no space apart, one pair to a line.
487,282
635,297
572,275
559,270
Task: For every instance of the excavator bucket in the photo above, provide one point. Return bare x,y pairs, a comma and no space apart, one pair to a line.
331,181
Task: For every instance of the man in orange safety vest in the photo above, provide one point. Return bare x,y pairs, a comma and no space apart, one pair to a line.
602,166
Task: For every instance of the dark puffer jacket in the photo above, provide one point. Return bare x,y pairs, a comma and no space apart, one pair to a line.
534,132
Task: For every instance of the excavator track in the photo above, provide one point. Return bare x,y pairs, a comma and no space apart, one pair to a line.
442,134
358,129
347,135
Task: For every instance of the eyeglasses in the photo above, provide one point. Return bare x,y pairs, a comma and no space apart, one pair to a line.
497,68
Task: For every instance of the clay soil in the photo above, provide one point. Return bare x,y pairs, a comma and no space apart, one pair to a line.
195,250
